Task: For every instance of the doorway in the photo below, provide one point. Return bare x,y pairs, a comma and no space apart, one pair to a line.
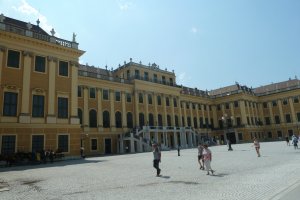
107,145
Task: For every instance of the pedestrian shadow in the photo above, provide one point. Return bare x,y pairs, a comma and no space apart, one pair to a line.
220,175
165,177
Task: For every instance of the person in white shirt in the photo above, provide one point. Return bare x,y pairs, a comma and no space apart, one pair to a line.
207,157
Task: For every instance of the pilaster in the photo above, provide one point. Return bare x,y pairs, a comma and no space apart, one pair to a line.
52,63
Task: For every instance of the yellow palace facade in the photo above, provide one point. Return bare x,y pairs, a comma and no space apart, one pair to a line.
49,101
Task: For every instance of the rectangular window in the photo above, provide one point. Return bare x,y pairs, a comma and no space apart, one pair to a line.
238,121
227,106
285,102
204,107
288,118
63,143
298,116
175,102
155,78
128,97
38,102
92,93
40,64
128,74
149,99
10,104
187,106
79,91
193,106
265,105
171,82
277,119
291,133
141,98
158,100
274,103
37,143
137,74
146,76
279,134
270,135
94,144
8,144
248,120
199,106
105,95
296,100
240,135
62,107
13,59
164,80
267,120
63,68
218,107
118,96
236,104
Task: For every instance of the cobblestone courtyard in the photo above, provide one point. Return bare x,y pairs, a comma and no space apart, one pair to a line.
240,174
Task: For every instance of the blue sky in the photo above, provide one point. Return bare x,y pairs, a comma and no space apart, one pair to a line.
209,44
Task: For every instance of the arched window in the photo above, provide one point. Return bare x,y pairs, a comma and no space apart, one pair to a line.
167,101
160,122
176,121
93,118
195,122
142,120
149,99
183,122
106,120
151,119
129,120
169,120
80,115
118,118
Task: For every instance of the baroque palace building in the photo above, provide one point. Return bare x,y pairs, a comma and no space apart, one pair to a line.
50,101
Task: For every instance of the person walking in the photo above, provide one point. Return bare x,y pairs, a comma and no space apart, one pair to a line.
156,158
287,140
207,157
200,157
295,142
256,146
178,150
229,145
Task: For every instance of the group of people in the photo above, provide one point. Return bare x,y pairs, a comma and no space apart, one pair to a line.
295,140
204,156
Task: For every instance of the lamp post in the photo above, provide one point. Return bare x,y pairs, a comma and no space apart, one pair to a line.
227,122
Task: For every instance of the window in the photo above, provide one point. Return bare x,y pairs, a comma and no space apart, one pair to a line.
155,78
13,59
279,134
201,122
270,135
167,101
129,120
183,122
142,119
146,76
160,122
176,121
204,107
171,82
195,122
106,120
218,107
193,106
227,106
164,80
298,116
137,74
40,64
79,115
236,104
118,118
63,68
128,98
238,121
246,103
105,95
37,143
8,144
118,96
141,98
10,104
291,133
288,118
175,102
248,120
63,143
277,119
38,106
79,91
158,100
265,104
274,103
206,122
62,107
187,105
199,106
240,136
267,120
151,119
285,102
94,144
128,74
169,120
296,100
92,93
149,99
93,118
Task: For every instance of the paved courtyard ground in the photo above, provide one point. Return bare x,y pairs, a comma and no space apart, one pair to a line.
240,174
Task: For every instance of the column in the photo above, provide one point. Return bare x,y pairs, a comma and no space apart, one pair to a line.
232,117
52,64
294,118
172,111
155,109
184,113
146,109
164,110
261,113
85,106
271,112
208,116
132,150
197,115
121,144
203,115
180,113
243,112
124,114
26,93
112,110
191,115
282,120
215,118
175,138
100,111
2,51
74,101
136,103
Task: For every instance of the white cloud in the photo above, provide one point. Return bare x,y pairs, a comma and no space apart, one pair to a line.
27,9
124,6
194,30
